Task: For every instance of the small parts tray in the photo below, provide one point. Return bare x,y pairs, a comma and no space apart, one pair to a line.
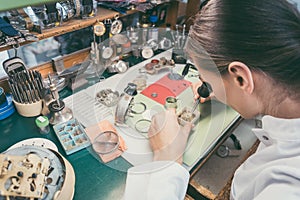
72,136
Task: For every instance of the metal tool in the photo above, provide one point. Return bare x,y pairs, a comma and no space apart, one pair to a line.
26,86
204,91
186,69
53,90
195,105
59,113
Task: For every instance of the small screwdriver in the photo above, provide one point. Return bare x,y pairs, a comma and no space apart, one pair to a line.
186,69
204,92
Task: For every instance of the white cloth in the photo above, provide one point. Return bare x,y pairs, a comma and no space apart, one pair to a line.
160,180
273,172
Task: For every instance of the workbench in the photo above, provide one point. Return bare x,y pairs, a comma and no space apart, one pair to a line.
95,180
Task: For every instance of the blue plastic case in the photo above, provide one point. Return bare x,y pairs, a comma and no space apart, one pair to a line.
7,109
72,136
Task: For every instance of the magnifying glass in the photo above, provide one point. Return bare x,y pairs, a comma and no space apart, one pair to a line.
106,142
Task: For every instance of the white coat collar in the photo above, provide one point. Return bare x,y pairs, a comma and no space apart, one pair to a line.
277,129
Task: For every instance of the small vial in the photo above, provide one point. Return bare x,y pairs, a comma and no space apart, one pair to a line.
42,123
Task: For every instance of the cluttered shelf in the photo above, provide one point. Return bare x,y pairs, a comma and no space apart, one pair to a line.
32,31
67,26
102,14
76,24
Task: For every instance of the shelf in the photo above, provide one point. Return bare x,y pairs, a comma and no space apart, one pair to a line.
73,25
76,24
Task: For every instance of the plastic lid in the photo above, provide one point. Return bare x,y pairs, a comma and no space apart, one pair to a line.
42,121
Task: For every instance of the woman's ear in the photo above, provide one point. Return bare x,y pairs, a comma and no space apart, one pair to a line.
242,76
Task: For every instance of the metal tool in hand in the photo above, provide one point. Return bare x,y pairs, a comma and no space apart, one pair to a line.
204,91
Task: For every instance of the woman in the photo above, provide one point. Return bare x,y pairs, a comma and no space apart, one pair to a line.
255,45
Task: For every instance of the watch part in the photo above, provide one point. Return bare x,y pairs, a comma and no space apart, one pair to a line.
131,89
171,102
186,115
147,52
142,125
99,28
116,27
138,108
33,172
165,44
108,97
153,44
133,34
121,66
156,65
107,52
122,109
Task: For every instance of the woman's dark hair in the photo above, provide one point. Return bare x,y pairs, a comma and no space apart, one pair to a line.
263,34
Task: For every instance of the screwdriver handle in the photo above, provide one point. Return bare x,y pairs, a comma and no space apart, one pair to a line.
186,69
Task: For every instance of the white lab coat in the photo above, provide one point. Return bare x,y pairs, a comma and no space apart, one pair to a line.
163,180
273,172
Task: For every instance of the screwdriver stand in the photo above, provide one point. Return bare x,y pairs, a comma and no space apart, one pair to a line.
59,113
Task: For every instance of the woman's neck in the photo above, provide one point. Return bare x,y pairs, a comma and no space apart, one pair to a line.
287,109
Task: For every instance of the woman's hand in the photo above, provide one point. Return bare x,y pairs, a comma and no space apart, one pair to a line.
167,138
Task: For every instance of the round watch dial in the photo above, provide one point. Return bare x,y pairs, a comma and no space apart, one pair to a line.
99,29
165,44
153,44
121,66
116,27
107,52
147,52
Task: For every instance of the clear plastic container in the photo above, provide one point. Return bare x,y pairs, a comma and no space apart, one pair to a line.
42,123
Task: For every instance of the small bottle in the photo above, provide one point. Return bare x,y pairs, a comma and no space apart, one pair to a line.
43,123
